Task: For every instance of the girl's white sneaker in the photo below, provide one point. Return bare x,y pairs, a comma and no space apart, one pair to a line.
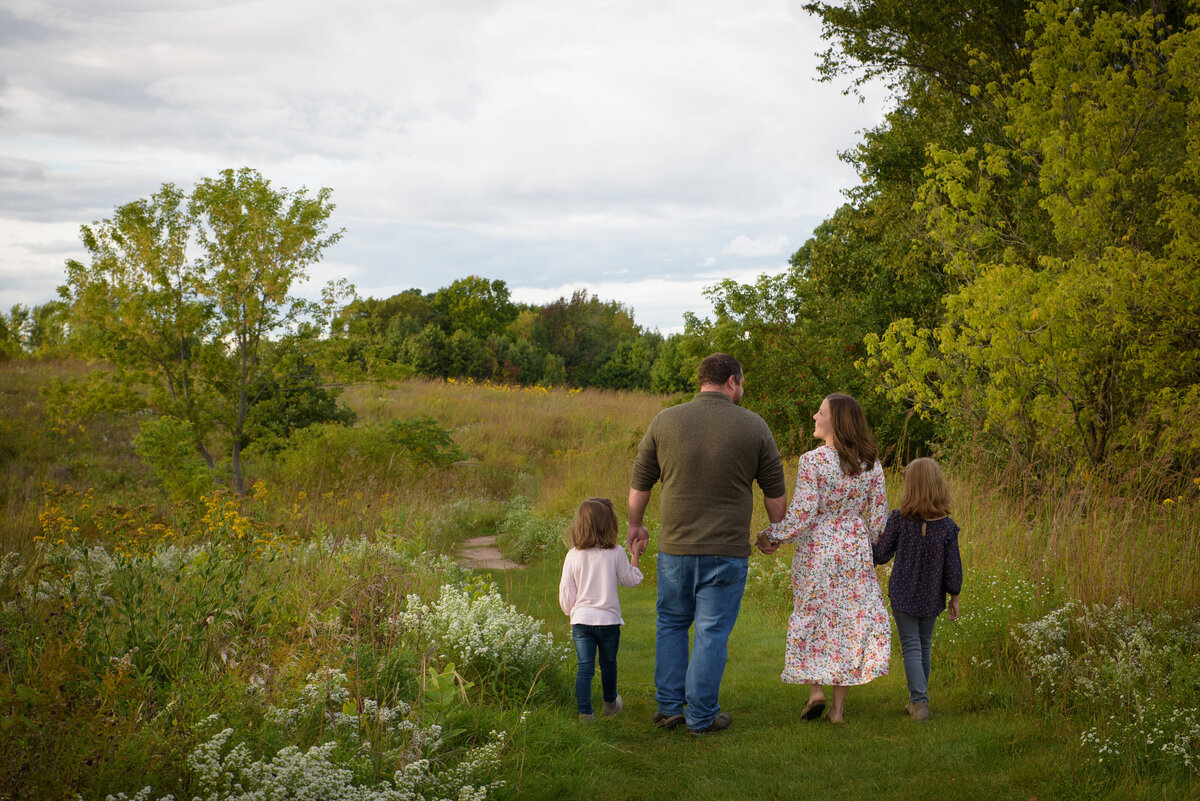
611,708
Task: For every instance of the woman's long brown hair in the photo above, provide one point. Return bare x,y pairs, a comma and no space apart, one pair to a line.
856,448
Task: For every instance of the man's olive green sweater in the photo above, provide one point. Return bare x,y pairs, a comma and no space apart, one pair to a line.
707,452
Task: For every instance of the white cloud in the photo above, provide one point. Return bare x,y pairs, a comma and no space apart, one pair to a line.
752,248
32,256
657,303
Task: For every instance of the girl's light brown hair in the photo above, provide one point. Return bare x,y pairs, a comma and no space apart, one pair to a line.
595,525
926,493
856,448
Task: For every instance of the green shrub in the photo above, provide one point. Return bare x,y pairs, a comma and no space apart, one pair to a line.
368,449
526,534
167,445
285,405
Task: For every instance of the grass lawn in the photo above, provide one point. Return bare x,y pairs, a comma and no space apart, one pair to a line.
1000,748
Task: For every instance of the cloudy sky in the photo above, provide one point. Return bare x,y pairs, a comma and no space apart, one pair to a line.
642,150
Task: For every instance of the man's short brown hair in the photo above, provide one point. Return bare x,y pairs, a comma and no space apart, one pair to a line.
717,368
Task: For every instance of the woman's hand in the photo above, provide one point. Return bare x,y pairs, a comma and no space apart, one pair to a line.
952,608
765,544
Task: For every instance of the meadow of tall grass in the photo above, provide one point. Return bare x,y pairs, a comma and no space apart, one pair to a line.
317,632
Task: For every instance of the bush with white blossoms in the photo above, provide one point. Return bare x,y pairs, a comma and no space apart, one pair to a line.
1136,675
327,770
475,629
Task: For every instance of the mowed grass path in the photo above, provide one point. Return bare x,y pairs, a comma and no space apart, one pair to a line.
1001,748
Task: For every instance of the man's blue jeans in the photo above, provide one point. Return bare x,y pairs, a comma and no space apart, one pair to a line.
589,640
916,643
705,591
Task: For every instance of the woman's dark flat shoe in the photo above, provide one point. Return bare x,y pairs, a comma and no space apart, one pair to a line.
812,710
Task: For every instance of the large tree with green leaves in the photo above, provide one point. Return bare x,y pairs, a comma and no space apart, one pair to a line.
1071,334
584,331
212,332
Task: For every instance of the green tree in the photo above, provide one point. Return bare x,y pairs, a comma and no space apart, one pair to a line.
583,331
630,364
466,357
208,335
474,304
10,335
428,352
37,330
673,371
138,306
517,361
1071,335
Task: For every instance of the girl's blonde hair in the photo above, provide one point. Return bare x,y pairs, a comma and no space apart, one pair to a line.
926,493
595,525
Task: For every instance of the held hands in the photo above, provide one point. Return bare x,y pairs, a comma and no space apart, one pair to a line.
952,608
765,544
637,539
637,549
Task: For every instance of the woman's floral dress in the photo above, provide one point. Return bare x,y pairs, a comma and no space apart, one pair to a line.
839,631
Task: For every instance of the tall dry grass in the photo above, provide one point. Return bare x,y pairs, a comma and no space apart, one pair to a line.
38,447
555,447
1094,544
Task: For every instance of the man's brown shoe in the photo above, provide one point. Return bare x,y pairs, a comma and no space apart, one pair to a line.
667,721
721,722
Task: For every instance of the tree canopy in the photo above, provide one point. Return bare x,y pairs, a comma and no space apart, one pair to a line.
210,333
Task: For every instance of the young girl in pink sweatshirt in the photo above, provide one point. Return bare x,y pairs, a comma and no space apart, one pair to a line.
588,594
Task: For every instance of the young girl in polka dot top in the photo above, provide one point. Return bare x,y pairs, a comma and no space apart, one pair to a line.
924,540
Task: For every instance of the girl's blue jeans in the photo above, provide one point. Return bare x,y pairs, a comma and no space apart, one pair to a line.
916,642
588,641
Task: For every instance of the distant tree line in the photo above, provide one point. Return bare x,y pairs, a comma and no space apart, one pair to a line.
33,330
187,298
473,329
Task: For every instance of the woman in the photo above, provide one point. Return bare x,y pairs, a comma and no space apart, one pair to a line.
839,632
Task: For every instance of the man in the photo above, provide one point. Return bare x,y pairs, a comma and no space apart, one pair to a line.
708,453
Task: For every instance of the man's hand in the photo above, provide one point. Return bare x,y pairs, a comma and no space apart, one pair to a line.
638,500
637,539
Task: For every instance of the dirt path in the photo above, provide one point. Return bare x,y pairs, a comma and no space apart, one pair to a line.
481,553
